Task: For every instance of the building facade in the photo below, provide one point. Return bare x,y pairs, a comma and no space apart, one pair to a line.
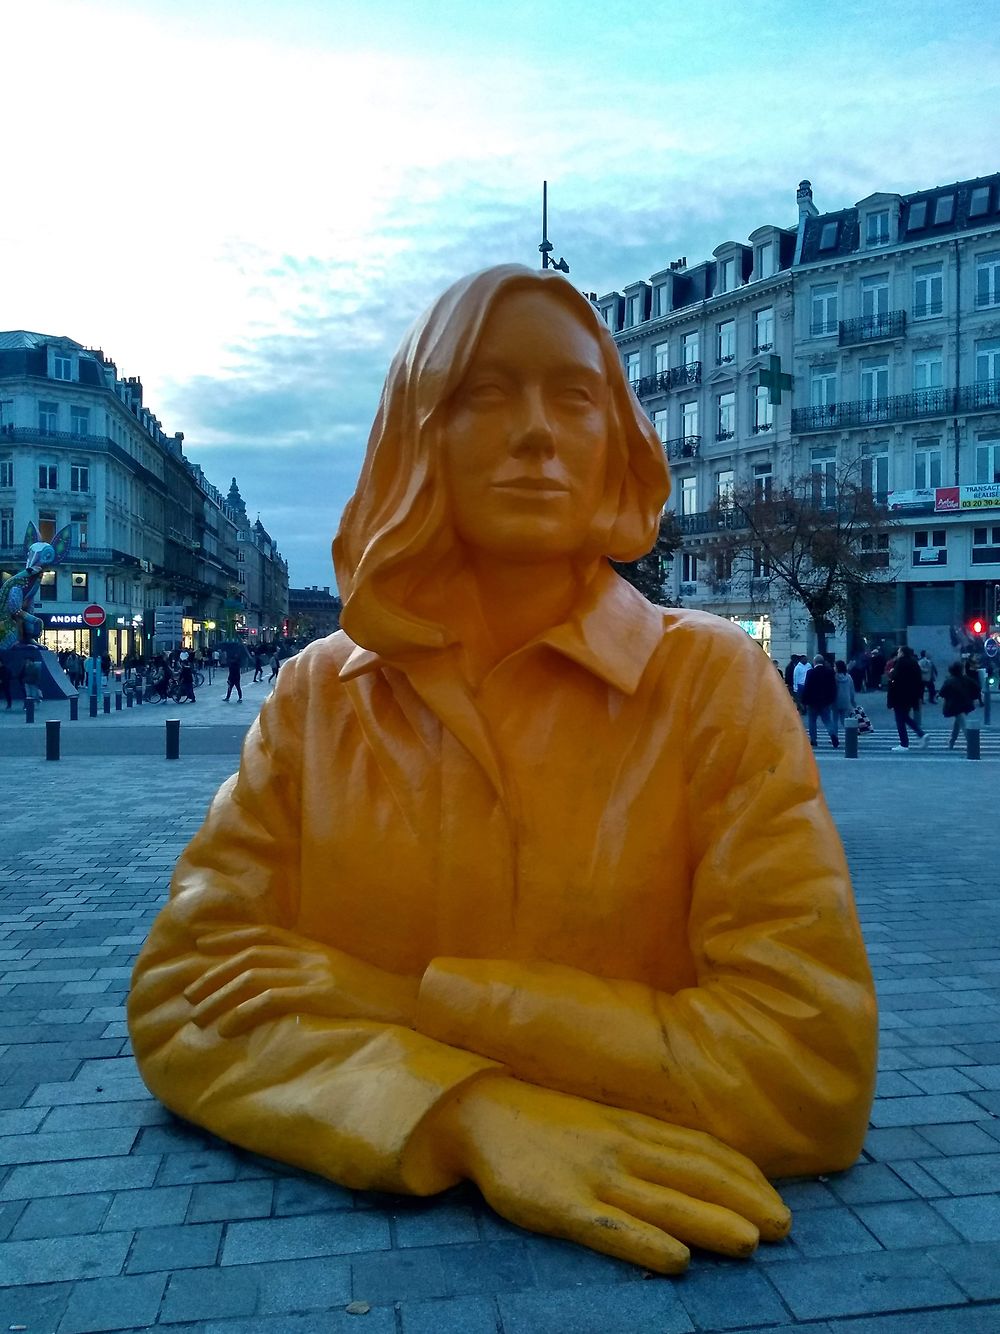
78,447
887,316
313,613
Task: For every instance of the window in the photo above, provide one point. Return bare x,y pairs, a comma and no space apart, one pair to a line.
763,410
632,362
660,423
979,202
79,477
987,461
763,329
823,317
823,386
988,279
880,542
725,342
62,367
689,495
47,525
928,282
79,421
6,527
661,358
985,546
689,568
727,275
689,419
725,482
763,480
874,296
723,567
661,299
48,477
764,259
874,378
79,522
930,546
726,427
928,369
611,316
875,470
692,349
48,416
926,465
944,209
918,215
48,588
828,236
987,359
823,466
633,310
78,580
761,566
6,470
877,230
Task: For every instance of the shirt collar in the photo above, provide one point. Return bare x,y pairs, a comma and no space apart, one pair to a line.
613,632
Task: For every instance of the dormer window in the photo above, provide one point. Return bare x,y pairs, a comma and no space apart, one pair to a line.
633,314
62,366
918,214
764,259
727,275
877,232
611,317
944,209
979,203
828,236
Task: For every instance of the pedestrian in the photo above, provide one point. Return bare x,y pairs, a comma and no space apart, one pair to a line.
186,692
5,682
31,677
846,701
789,673
876,667
233,680
903,697
819,695
275,664
799,675
956,700
258,666
928,674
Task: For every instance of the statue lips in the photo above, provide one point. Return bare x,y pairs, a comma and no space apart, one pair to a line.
542,486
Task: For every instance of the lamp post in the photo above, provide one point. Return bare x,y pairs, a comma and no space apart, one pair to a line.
547,247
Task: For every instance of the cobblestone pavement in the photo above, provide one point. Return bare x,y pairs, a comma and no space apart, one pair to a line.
114,1215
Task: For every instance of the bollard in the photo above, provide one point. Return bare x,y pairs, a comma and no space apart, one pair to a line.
972,735
118,701
52,726
129,698
173,738
74,708
140,688
850,738
107,703
986,705
93,706
29,710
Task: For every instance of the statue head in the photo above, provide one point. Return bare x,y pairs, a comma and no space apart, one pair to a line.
39,555
590,481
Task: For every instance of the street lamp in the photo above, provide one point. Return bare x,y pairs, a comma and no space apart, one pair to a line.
547,247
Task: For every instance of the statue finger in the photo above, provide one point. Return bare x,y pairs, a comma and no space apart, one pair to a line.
273,1003
223,973
240,989
621,1234
758,1202
218,938
698,1144
694,1222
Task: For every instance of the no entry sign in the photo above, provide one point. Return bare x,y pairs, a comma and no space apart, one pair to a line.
94,615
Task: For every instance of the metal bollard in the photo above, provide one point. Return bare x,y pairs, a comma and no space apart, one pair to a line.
107,703
129,698
987,702
173,738
850,738
118,701
972,738
52,726
29,710
74,708
93,706
139,690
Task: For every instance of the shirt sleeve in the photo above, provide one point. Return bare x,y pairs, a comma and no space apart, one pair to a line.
773,1051
346,1097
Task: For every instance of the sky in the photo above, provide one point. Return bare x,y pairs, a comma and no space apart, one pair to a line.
246,202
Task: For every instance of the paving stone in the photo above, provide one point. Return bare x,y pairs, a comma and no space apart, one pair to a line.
906,1224
209,1294
161,1205
626,1308
307,1195
113,1303
956,1139
79,1177
974,1217
977,1174
470,1315
439,1224
37,1307
45,1260
930,1110
721,1299
976,1269
161,1248
231,1200
295,1286
869,1183
861,1285
339,1233
831,1232
57,1217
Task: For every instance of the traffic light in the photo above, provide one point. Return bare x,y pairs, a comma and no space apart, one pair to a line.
977,625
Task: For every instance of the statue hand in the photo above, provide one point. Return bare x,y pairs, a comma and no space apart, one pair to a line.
619,1182
267,973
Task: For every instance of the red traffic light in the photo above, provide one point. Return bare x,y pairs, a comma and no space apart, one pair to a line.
977,626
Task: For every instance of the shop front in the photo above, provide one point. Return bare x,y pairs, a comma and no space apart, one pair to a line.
66,632
757,627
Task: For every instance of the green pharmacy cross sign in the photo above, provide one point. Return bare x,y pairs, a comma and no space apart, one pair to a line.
774,380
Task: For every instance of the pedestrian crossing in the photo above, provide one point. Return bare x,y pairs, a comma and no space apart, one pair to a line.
881,741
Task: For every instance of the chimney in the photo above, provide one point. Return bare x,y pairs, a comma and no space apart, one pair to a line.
804,199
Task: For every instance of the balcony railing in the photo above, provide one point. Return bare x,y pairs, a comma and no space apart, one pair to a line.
937,402
662,383
872,328
723,434
758,348
684,447
710,521
760,427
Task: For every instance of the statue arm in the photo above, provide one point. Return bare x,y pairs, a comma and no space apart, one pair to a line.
330,1077
773,1051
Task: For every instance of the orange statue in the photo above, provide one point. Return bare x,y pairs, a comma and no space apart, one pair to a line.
522,879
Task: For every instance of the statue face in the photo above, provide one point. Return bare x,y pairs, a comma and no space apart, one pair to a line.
525,434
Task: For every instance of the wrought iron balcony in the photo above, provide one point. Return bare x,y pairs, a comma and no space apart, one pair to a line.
684,447
758,348
937,402
664,381
872,328
725,435
760,427
981,395
710,521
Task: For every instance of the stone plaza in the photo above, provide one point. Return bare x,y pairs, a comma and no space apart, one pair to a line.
115,1215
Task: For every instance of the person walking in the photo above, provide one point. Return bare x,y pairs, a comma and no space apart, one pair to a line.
846,701
275,664
186,692
819,695
928,675
258,667
233,680
903,697
799,676
5,682
956,700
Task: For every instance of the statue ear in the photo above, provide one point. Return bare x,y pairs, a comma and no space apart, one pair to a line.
30,537
61,542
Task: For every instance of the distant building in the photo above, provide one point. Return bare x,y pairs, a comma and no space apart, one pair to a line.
78,447
262,576
313,613
887,315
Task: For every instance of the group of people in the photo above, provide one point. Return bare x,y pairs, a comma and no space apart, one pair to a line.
261,658
828,694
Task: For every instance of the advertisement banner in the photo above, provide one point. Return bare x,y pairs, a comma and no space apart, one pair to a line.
952,499
911,500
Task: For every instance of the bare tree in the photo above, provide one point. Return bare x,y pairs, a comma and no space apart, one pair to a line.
649,573
819,540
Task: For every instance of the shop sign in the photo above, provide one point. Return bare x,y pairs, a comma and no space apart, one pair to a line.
953,499
62,619
911,500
